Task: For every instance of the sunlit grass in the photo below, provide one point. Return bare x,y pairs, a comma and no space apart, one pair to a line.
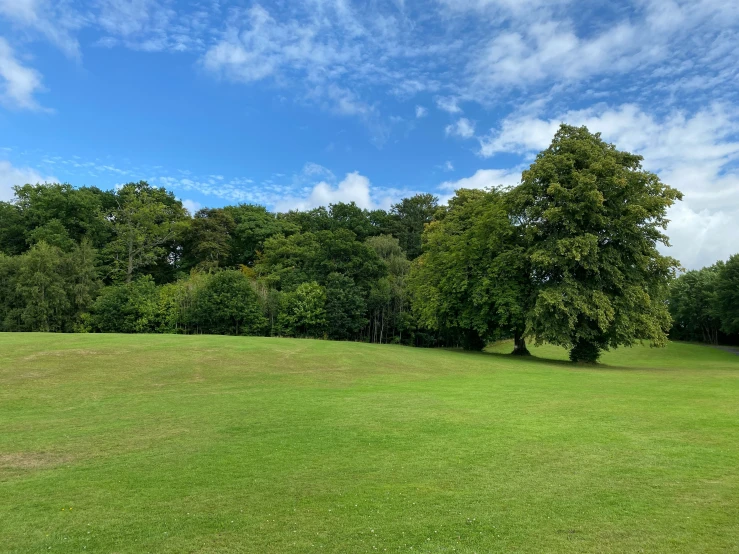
141,443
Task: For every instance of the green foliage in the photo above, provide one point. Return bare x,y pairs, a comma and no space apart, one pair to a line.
569,257
470,284
693,305
207,240
46,289
226,304
303,311
408,219
727,295
127,307
52,233
145,223
79,210
12,229
303,257
349,217
592,219
388,301
254,225
345,308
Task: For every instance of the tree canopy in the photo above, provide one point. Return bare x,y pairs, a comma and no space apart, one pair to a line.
592,219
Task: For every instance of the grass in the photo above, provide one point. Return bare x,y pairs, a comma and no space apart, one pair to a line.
112,443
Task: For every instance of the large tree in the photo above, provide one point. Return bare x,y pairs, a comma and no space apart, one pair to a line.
145,222
470,284
593,218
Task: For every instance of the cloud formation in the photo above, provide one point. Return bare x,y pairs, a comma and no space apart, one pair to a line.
353,188
463,128
18,83
11,176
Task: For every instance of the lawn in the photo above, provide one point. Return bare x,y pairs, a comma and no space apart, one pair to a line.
175,444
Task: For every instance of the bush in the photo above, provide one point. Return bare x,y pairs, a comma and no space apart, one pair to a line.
226,304
127,308
303,311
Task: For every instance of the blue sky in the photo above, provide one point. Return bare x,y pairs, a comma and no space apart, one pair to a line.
298,104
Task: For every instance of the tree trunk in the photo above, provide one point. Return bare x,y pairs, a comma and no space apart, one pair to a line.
519,344
129,269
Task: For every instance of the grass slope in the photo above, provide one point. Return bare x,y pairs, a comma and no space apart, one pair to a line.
114,443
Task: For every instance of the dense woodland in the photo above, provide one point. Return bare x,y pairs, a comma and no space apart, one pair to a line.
704,304
569,256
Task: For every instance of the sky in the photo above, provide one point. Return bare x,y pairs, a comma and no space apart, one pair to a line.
299,104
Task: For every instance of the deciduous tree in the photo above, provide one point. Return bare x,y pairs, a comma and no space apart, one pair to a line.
593,218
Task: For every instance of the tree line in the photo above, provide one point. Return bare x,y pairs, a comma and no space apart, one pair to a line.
704,304
569,256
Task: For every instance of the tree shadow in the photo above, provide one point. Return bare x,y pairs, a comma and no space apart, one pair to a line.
540,360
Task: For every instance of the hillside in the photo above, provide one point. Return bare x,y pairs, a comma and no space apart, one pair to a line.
166,443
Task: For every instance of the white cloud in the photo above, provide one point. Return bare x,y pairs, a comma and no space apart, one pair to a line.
485,178
448,104
463,128
55,20
421,112
552,50
354,188
11,176
191,206
18,83
448,166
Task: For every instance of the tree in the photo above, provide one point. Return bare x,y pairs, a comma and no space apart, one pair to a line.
79,211
254,225
12,229
727,295
345,308
592,219
303,257
127,307
41,293
208,239
471,284
46,289
145,225
227,305
303,311
389,314
409,217
52,233
693,305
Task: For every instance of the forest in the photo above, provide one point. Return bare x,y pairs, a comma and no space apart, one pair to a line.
569,257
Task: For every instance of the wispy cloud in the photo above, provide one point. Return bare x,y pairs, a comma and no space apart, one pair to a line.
448,104
463,128
18,83
11,176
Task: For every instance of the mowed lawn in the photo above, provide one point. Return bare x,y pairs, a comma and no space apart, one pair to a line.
143,443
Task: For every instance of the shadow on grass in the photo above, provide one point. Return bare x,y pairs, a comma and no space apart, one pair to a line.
543,361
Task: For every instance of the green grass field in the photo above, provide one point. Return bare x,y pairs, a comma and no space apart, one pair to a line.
141,443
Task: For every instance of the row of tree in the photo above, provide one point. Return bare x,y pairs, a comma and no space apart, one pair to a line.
704,304
568,257
134,260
